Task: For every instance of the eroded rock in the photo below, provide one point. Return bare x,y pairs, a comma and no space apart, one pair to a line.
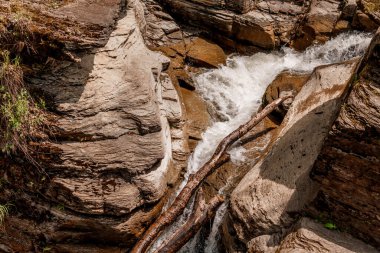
119,141
319,23
241,24
279,185
348,167
309,236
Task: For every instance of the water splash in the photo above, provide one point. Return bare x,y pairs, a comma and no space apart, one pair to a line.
235,92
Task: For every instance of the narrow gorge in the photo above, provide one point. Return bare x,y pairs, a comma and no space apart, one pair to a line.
109,108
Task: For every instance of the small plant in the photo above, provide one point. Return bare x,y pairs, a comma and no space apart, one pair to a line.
4,212
19,115
46,249
330,225
60,207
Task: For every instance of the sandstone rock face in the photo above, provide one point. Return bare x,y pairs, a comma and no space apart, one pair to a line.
190,55
348,167
308,236
123,112
262,204
119,141
319,23
205,54
241,24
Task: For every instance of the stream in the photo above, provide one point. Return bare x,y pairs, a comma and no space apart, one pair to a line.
235,92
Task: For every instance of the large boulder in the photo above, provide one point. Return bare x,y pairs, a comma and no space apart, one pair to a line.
279,186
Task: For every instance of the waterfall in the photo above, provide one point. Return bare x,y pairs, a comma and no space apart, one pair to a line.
235,92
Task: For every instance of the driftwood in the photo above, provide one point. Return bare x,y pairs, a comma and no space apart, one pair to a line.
200,215
217,159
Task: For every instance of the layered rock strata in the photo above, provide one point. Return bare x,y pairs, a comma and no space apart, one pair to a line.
348,166
249,25
118,145
264,24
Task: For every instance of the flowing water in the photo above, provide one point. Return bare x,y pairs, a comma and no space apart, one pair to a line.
235,93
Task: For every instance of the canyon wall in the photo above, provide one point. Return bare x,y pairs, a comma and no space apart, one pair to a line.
348,166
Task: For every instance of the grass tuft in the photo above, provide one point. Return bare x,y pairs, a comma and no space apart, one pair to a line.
4,212
19,114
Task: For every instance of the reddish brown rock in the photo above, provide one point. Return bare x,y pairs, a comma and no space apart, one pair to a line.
197,116
202,53
319,23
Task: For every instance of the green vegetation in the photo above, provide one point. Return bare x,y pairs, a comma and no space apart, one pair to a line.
60,207
4,212
330,225
46,249
19,115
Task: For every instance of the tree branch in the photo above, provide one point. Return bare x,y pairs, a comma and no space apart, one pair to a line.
217,159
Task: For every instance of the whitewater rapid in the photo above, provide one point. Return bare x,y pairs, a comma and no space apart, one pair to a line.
235,92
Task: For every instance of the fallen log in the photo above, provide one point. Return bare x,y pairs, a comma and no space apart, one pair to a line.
180,202
200,215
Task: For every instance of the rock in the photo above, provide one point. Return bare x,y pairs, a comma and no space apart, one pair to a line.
119,138
286,83
348,166
319,25
308,236
97,12
371,8
161,29
342,26
256,28
363,21
197,117
241,6
323,15
184,80
202,53
279,184
349,9
241,24
163,15
168,27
